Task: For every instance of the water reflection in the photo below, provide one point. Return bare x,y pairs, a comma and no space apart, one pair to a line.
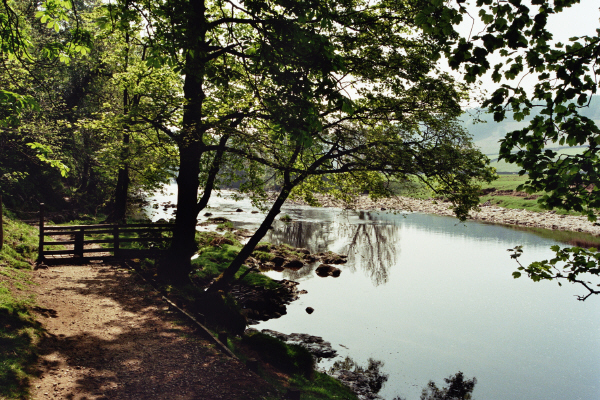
372,248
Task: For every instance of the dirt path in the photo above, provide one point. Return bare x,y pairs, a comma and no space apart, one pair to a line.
109,336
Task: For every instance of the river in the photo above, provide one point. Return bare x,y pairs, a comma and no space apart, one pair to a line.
430,296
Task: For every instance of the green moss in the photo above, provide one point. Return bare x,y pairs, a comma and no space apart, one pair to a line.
263,256
225,226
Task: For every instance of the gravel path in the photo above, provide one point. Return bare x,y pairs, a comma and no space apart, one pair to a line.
111,337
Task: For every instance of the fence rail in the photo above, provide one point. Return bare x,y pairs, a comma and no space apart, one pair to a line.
76,237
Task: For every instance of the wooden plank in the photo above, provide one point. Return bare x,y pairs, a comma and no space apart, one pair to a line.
59,243
107,226
41,243
77,227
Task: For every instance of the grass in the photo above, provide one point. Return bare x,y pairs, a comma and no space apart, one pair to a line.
295,362
212,260
511,182
19,332
505,182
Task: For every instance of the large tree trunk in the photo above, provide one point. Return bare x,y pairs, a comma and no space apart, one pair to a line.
122,188
190,143
183,247
228,275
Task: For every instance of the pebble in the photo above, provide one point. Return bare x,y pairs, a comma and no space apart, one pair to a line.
493,214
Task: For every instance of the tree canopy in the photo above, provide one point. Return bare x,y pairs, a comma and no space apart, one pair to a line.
337,97
565,80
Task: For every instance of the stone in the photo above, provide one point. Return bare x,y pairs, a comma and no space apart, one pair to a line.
294,265
278,261
309,310
325,270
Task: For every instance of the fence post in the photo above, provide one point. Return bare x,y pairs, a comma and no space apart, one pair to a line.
79,243
41,243
116,239
1,225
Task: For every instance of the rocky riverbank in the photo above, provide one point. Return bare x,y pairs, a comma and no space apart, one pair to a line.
487,213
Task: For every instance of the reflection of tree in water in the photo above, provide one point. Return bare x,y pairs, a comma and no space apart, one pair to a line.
301,273
370,247
313,236
372,374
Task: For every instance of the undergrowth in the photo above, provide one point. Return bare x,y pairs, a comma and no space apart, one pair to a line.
19,332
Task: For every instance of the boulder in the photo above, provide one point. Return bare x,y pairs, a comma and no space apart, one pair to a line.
333,258
325,270
293,264
278,261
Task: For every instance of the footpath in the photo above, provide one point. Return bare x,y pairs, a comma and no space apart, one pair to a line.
110,336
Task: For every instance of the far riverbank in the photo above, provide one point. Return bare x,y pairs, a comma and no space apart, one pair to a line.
493,214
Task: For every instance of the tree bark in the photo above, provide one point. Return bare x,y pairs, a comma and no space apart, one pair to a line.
190,143
183,247
122,188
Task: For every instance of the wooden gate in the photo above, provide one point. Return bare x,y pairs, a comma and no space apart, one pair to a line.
80,242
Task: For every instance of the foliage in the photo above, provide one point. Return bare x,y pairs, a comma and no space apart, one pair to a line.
566,80
572,264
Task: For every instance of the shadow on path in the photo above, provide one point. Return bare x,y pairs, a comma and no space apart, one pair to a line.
111,337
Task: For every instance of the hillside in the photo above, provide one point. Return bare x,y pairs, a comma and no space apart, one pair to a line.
487,133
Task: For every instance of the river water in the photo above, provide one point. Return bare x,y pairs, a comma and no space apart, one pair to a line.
430,296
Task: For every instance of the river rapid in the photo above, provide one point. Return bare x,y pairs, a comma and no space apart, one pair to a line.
429,297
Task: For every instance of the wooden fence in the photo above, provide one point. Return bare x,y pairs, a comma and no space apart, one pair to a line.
76,240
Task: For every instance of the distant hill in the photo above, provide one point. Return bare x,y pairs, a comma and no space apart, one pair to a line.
486,135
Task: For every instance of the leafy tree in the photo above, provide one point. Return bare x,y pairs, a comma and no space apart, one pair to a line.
26,48
566,80
327,95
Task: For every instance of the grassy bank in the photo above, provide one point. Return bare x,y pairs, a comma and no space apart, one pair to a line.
19,331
